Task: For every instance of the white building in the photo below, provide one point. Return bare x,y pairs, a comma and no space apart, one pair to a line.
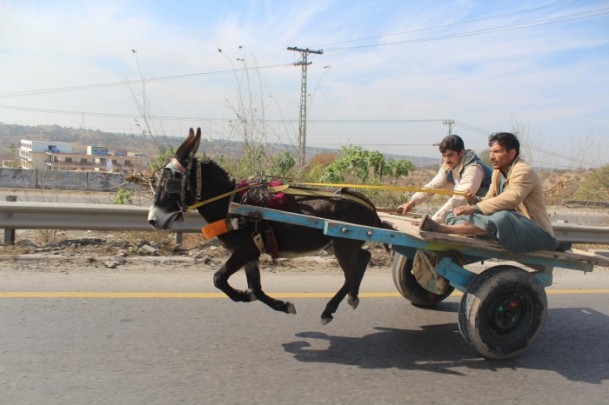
33,154
47,155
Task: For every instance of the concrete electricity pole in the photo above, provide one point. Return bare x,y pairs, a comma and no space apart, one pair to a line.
450,125
302,128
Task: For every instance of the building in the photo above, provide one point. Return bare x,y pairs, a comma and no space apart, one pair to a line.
33,154
121,162
45,155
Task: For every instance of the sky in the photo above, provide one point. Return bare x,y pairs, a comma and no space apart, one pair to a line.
394,76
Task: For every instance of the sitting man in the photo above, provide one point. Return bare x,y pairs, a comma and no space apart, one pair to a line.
513,212
461,171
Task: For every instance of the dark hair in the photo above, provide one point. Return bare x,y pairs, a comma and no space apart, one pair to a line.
452,142
506,139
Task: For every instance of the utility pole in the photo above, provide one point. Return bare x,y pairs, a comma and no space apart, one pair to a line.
302,127
450,123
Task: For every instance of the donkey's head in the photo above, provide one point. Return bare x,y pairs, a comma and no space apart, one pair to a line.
175,186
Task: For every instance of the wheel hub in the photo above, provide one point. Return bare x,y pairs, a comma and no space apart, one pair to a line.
506,313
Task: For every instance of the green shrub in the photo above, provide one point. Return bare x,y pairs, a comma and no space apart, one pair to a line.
122,197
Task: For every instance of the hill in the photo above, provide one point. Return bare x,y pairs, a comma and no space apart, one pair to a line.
11,135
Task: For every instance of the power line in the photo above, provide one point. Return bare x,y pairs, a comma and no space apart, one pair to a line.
370,144
129,82
446,25
566,18
472,128
218,119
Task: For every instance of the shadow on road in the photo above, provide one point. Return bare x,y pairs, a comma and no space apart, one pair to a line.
574,343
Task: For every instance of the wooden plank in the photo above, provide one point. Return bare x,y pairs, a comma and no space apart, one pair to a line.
407,225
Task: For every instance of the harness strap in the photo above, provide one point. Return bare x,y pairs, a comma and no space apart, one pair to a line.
218,197
199,182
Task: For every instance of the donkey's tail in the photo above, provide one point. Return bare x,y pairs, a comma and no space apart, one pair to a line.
386,225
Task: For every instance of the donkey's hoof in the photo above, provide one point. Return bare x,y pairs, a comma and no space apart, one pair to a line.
250,295
326,319
290,308
353,302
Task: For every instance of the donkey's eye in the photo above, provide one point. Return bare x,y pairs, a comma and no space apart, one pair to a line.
173,186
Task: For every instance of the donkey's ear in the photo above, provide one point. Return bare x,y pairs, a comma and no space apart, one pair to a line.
196,141
186,148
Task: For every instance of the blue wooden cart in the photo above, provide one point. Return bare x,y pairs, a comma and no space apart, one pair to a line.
503,308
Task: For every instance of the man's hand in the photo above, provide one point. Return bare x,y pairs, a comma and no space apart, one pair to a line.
465,210
404,208
471,197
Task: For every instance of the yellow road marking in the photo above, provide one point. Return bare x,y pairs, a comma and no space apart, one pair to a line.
212,295
579,291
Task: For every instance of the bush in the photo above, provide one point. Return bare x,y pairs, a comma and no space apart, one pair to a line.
122,197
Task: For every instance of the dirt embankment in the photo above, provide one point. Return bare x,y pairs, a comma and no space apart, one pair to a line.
128,250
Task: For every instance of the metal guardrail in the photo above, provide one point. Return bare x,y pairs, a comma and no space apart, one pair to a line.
581,233
578,203
108,217
82,216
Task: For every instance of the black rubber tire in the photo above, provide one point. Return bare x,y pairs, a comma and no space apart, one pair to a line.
408,286
502,312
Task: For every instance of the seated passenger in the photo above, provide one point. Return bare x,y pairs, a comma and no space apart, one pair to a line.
513,212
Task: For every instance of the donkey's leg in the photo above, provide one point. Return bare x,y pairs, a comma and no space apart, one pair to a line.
350,263
252,271
363,258
235,262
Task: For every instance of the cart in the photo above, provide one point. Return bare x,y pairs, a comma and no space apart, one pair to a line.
503,308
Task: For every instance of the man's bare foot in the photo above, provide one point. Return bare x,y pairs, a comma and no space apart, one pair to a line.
429,225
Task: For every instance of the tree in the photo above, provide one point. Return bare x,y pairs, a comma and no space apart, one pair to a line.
282,164
398,168
166,153
362,166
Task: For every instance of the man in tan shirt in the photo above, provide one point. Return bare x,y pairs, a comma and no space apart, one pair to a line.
513,211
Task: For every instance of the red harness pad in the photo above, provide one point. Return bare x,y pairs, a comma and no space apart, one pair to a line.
262,194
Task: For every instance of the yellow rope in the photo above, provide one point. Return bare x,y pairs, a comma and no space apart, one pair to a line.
389,188
284,188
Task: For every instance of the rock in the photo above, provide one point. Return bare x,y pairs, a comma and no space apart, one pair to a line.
117,261
148,250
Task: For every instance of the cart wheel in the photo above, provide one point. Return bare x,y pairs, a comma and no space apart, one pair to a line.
502,312
408,286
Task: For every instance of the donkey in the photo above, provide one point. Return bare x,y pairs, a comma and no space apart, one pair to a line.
185,181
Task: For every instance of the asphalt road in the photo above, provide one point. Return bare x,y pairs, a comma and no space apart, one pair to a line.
161,335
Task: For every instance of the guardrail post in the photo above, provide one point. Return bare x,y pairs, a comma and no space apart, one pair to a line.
179,238
9,233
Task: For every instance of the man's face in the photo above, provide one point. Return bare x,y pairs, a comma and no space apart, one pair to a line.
501,158
452,158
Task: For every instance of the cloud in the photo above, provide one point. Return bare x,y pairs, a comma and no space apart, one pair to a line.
551,76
